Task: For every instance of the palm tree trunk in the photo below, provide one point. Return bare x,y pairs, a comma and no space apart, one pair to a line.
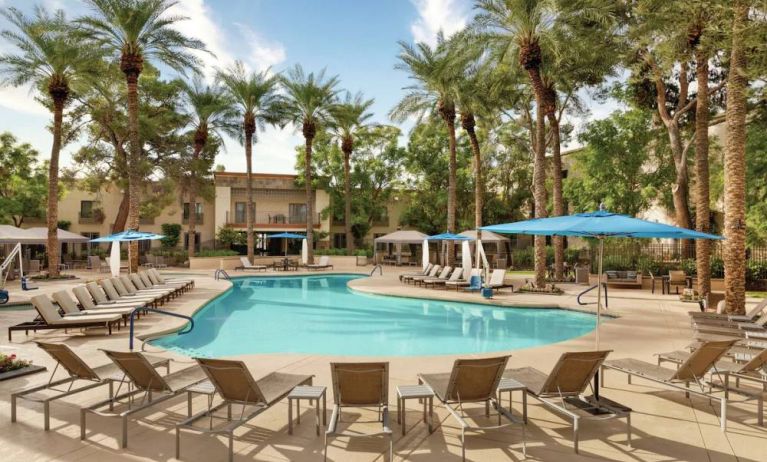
681,190
249,212
702,208
735,167
348,203
469,123
558,199
53,191
309,196
451,183
539,173
192,223
134,167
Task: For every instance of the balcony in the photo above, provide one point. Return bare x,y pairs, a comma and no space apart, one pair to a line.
94,217
271,220
146,220
35,220
200,219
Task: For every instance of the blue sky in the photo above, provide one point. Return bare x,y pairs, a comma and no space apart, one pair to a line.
355,39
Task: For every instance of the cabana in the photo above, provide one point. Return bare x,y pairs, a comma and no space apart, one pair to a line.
35,236
498,249
398,238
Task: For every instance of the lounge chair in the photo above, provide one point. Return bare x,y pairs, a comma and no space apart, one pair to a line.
497,280
51,319
140,285
247,265
160,279
465,281
433,273
148,284
405,277
145,379
561,391
475,282
95,263
77,370
100,297
692,370
359,385
323,264
752,314
236,385
108,285
454,277
84,297
126,288
442,276
472,381
66,303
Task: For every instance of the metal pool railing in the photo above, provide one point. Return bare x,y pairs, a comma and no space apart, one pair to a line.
155,310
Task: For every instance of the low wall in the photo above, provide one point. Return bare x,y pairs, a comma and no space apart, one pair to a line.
230,263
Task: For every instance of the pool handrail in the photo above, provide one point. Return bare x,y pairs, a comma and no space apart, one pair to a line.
156,310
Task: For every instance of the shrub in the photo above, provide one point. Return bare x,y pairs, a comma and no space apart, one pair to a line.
217,253
10,363
756,270
172,233
228,237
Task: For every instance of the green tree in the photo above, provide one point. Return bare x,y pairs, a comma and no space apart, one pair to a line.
435,71
54,61
134,31
210,114
306,103
350,119
255,96
23,190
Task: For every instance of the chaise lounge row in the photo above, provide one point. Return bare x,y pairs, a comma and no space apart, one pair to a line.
448,277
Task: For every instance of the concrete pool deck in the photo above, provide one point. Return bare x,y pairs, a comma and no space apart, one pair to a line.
666,425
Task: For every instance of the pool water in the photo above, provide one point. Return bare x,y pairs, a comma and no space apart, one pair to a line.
321,315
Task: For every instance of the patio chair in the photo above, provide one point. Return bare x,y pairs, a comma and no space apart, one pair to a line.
84,297
404,276
235,384
676,278
108,285
126,288
692,370
66,303
139,283
443,275
561,391
95,263
433,273
100,297
145,379
78,371
33,266
472,381
323,264
464,282
360,385
159,262
497,280
51,319
143,276
752,314
247,265
457,275
158,280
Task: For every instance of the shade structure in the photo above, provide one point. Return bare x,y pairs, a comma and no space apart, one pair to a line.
401,237
114,259
304,252
286,236
487,236
449,237
425,254
128,236
32,236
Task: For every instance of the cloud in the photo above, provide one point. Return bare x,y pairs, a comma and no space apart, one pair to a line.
448,16
263,53
273,153
22,100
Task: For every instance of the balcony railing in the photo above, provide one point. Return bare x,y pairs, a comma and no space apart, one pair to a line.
274,219
146,220
200,219
35,220
90,218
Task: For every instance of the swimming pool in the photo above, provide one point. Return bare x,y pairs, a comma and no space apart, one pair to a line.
321,315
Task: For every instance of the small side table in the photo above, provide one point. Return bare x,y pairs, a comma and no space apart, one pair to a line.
310,393
420,392
511,386
202,388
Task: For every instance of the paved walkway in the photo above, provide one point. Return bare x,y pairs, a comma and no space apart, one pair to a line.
666,425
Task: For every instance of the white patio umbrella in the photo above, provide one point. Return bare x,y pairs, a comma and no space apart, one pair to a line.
304,252
114,259
466,257
425,254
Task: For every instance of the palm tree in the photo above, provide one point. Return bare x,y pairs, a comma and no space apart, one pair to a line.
255,96
350,118
210,114
735,164
133,31
54,62
435,71
307,103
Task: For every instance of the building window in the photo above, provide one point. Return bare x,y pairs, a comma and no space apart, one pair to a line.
87,247
297,213
240,209
144,246
339,240
196,241
86,209
198,206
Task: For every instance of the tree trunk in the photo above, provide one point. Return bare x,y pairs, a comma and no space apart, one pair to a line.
469,123
558,199
250,128
702,209
134,167
539,173
309,133
681,189
448,115
122,213
54,248
192,223
348,202
735,168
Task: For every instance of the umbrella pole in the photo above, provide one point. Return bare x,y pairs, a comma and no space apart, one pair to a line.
599,309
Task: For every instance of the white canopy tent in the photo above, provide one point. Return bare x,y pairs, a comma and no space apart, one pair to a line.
35,236
398,238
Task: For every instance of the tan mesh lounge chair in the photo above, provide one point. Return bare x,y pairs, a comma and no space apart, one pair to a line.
66,303
693,370
145,379
84,297
159,279
108,285
323,264
472,381
51,319
463,282
561,391
77,371
245,264
235,384
360,385
100,298
125,286
95,263
148,284
455,276
404,276
140,285
433,273
442,276
496,280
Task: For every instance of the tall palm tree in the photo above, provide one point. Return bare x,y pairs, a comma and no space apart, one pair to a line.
350,117
210,114
735,164
435,71
307,103
254,94
54,62
133,31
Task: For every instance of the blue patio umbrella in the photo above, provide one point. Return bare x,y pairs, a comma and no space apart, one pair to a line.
286,236
124,236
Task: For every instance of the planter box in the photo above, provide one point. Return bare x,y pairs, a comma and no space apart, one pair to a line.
21,372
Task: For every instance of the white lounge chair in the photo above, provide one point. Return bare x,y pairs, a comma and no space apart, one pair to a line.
247,265
323,264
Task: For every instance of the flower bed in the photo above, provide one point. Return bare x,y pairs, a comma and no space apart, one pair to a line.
11,367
